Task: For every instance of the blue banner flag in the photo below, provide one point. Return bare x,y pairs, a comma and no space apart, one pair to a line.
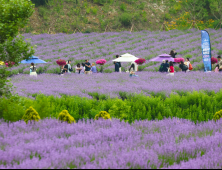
206,50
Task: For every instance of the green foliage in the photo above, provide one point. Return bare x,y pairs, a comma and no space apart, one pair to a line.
13,16
103,114
39,2
141,6
64,116
31,115
218,115
123,7
195,106
15,49
4,89
101,2
119,109
94,10
126,19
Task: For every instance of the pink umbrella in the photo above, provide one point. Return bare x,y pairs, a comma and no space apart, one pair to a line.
162,57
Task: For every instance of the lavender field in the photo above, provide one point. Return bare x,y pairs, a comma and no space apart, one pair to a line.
170,143
78,47
113,83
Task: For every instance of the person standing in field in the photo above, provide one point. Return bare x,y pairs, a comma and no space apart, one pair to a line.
78,69
83,69
116,66
117,56
219,65
33,70
187,63
171,69
166,66
93,69
69,66
183,67
161,66
87,67
173,53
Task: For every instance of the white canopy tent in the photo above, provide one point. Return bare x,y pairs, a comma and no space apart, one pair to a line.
127,58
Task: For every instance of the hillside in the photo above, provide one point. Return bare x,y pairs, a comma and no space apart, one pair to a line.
69,16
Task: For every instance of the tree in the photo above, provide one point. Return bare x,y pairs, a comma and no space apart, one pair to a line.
13,16
196,10
216,10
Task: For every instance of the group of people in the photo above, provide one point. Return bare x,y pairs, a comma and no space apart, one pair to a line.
132,70
85,68
166,66
169,68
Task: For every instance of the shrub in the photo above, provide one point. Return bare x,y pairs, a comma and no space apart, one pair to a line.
103,114
64,116
100,2
31,115
217,115
94,11
119,109
125,19
123,7
39,2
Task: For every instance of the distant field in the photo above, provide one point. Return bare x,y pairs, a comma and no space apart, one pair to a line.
94,46
112,84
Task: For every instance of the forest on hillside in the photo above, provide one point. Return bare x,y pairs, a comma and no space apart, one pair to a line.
69,16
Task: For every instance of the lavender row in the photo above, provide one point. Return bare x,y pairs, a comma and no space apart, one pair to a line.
113,83
168,143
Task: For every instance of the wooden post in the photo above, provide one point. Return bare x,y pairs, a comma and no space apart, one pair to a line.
161,27
106,27
79,30
196,25
136,27
131,28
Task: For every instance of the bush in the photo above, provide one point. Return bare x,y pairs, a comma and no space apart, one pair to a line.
103,114
100,2
31,115
195,106
217,115
125,19
94,11
64,116
120,109
39,2
123,7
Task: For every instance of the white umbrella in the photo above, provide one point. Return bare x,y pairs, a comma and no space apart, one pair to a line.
126,58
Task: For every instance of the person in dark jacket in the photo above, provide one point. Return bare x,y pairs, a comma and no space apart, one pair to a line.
161,66
166,66
183,67
116,66
173,53
117,56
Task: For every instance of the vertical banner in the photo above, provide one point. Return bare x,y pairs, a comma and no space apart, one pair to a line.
206,50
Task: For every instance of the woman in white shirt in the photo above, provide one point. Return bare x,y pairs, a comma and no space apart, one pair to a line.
78,69
187,63
33,70
83,69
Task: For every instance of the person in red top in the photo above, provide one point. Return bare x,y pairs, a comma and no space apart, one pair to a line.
171,69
